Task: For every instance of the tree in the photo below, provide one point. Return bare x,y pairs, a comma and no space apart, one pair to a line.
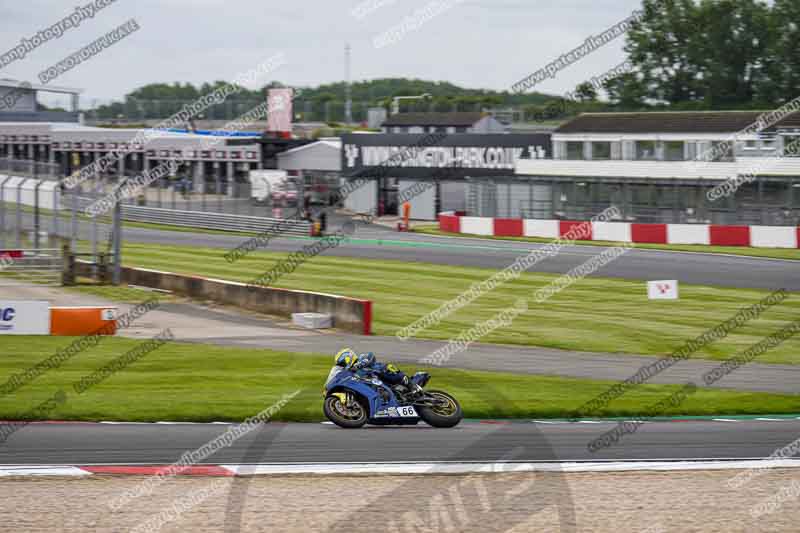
585,92
711,51
626,91
781,79
732,39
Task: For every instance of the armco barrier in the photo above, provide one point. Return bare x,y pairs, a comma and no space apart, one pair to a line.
218,221
349,314
702,234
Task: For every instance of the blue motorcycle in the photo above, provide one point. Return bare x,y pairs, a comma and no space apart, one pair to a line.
352,400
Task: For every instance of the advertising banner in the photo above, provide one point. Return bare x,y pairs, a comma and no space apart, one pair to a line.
279,110
24,317
427,155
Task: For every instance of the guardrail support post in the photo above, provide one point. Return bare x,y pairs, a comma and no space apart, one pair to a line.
102,268
68,273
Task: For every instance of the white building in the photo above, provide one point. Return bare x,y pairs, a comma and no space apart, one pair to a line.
659,167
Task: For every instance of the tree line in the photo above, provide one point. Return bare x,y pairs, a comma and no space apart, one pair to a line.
686,55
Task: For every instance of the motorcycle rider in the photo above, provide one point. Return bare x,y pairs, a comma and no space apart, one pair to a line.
366,364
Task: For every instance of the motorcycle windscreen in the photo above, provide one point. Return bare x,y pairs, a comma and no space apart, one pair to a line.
333,373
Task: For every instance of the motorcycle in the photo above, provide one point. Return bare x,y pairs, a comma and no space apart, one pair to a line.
352,401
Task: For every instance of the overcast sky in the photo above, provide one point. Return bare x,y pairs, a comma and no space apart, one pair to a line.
474,43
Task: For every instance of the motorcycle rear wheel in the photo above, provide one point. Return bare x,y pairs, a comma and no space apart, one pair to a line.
446,416
342,416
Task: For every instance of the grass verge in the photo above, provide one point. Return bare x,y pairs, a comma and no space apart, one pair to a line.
595,314
187,382
768,253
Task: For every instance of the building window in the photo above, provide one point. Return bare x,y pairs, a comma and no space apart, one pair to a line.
645,150
751,145
601,150
722,151
791,146
769,144
574,150
673,151
461,130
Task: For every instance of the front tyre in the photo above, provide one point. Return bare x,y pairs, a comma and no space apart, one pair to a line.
350,415
445,414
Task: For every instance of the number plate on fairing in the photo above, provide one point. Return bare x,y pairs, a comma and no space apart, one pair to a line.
407,412
398,412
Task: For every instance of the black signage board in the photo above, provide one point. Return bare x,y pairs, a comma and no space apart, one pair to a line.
427,155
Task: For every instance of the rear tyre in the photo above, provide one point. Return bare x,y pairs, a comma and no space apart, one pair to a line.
445,416
350,417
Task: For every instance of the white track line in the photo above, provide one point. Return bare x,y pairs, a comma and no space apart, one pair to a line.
438,468
474,468
43,470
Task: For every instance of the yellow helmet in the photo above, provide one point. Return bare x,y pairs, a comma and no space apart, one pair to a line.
346,358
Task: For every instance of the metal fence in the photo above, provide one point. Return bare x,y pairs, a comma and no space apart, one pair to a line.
29,169
767,203
41,266
207,220
305,110
36,211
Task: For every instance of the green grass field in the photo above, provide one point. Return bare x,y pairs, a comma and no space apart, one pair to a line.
209,383
770,253
595,314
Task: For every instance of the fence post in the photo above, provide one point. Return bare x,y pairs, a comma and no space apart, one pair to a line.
19,214
68,272
3,212
74,217
56,210
117,232
36,222
102,268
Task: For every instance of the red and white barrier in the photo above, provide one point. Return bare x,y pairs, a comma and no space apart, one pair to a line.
477,225
704,234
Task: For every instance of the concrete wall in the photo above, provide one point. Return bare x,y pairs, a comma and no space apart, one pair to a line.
349,314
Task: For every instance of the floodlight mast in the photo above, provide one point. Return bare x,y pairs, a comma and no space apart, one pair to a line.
396,101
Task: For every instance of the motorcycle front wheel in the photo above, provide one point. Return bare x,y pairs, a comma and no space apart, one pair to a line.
350,417
444,415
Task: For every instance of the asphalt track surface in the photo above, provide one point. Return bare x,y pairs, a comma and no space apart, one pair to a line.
91,444
378,242
371,242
